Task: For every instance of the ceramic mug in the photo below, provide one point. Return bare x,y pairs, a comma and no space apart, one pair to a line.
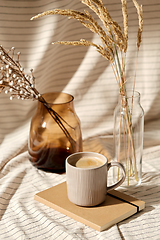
86,177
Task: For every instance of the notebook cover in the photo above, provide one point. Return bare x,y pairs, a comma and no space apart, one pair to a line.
117,207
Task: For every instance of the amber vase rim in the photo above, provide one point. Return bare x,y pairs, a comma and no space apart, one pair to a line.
56,94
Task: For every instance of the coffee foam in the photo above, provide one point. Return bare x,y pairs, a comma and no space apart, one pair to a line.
88,162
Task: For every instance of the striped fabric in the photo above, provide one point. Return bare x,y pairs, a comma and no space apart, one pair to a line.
83,73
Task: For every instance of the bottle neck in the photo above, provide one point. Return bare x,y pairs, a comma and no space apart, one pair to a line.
130,99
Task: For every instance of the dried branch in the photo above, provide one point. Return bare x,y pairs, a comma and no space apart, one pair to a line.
13,79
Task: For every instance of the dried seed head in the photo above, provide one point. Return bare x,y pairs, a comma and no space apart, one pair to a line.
140,18
111,35
13,79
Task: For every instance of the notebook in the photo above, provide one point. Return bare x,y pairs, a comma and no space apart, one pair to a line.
116,207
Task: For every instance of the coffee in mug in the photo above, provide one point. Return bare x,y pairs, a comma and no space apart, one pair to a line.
88,162
86,175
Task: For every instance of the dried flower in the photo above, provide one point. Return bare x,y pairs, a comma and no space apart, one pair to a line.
140,17
13,80
111,35
125,21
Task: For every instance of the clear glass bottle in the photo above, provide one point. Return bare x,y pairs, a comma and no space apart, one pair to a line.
128,137
53,137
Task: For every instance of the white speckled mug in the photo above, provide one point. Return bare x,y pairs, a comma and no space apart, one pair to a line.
86,174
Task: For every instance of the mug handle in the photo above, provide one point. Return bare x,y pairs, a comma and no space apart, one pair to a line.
117,164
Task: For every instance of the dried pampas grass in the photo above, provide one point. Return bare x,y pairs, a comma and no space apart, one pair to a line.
112,37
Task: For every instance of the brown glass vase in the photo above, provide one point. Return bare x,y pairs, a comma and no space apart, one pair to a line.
55,132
